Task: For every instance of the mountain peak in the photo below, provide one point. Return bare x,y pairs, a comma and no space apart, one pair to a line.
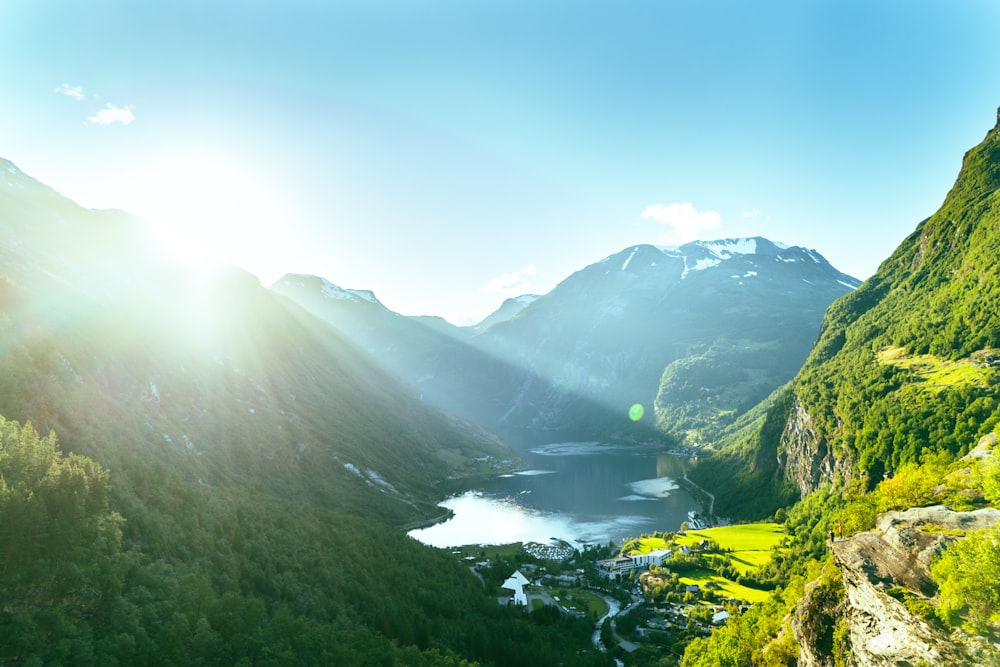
328,289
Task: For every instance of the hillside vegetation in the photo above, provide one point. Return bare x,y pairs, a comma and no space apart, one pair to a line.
195,471
901,384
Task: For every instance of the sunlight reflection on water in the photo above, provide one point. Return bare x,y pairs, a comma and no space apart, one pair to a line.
578,492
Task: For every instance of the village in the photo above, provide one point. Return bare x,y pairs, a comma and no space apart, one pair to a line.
649,596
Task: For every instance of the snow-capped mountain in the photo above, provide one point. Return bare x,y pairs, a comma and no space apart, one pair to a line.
721,323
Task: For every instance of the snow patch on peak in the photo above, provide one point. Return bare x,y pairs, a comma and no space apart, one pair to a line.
705,263
699,265
331,291
627,261
726,248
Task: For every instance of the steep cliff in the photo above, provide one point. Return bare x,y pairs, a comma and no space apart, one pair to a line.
804,457
867,618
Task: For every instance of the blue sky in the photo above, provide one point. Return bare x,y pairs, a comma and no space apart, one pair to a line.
450,154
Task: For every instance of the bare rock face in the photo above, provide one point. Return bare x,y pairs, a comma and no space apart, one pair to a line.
880,630
806,459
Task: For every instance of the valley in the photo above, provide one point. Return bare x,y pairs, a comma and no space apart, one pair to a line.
198,469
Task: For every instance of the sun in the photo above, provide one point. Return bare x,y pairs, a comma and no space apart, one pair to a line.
208,208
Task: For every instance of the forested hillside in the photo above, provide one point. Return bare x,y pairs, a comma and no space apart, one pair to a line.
220,478
905,366
194,574
900,387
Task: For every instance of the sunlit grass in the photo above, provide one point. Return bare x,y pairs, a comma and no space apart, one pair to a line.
727,589
937,373
751,537
747,546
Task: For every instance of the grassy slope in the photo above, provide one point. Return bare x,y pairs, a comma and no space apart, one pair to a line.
749,547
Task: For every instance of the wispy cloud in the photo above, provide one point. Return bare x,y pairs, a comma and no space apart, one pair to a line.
112,114
685,221
513,283
752,213
76,92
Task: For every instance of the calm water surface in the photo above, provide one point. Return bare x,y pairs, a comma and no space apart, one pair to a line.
578,492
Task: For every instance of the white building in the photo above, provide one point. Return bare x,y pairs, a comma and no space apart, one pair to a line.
655,557
516,583
625,564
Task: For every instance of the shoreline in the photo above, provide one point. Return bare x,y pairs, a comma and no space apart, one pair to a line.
418,524
690,485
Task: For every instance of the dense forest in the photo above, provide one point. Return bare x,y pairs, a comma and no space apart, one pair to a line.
185,574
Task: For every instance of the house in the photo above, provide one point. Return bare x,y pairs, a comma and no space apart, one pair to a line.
658,623
720,617
565,580
515,583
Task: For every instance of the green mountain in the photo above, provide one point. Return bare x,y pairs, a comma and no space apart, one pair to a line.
221,478
129,355
886,437
906,366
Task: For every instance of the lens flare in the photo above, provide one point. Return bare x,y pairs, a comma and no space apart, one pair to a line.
636,412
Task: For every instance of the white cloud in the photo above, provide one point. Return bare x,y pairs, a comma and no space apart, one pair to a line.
76,92
513,283
686,222
752,213
112,114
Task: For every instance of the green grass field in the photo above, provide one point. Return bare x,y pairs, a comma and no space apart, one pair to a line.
594,603
751,544
937,373
726,588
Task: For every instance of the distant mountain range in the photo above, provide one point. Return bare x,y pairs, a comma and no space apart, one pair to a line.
697,335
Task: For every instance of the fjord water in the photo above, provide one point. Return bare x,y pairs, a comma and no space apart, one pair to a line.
583,493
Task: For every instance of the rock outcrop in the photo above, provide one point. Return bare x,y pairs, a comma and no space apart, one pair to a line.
875,627
804,456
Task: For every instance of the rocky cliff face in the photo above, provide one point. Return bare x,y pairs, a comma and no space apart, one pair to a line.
804,456
865,623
